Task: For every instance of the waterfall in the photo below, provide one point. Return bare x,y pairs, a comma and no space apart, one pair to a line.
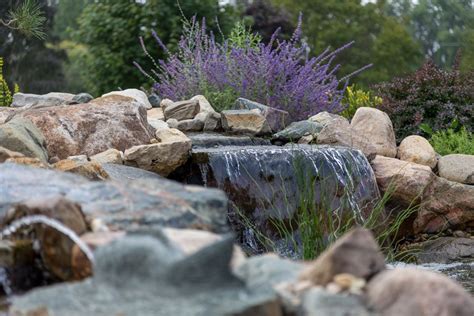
41,219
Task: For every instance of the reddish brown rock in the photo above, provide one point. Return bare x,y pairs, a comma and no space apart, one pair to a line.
108,122
414,292
27,161
92,170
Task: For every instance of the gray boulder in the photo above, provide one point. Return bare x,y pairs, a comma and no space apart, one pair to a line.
82,98
22,136
183,110
24,100
135,199
457,168
445,250
296,130
277,119
145,275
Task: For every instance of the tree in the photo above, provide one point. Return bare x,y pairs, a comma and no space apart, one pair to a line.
379,39
67,14
111,29
26,18
441,26
29,61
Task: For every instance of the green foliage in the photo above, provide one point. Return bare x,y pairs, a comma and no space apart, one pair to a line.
242,37
379,39
67,14
110,30
450,141
27,18
5,94
356,98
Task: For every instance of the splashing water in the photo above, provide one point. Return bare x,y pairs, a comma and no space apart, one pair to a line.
41,219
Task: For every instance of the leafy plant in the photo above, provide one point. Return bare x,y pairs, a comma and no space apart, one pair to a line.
27,18
5,93
242,37
278,73
430,96
450,141
356,98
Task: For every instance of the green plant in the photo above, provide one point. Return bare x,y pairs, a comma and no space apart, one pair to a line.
5,93
356,98
27,18
242,37
450,141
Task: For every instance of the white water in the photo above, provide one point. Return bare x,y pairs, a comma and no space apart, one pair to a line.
41,219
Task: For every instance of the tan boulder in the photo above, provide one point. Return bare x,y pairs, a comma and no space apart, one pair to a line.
139,96
171,135
356,253
92,170
418,150
109,156
415,292
165,103
162,158
457,168
324,118
375,125
245,122
204,104
156,118
183,110
28,161
109,122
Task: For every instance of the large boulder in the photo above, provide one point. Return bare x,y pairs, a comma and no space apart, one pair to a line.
446,204
109,122
130,199
277,119
457,168
147,276
418,150
162,158
22,136
109,156
356,253
26,101
249,122
414,292
376,126
139,96
325,118
445,250
204,104
183,110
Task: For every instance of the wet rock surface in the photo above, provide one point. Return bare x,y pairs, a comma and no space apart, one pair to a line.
209,140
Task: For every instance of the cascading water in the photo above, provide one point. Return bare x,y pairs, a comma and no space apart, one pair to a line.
267,184
41,219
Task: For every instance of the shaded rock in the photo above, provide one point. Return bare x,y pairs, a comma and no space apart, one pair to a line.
22,136
192,125
308,139
318,302
27,101
325,118
109,156
154,100
56,248
92,170
162,158
6,113
124,173
356,253
276,119
375,125
16,253
296,130
137,95
172,123
457,168
209,140
160,281
244,122
446,204
183,110
406,180
109,122
6,154
82,98
418,150
445,250
204,104
27,161
414,292
211,120
78,158
124,204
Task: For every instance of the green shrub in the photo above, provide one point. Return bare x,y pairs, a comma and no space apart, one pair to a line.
5,93
449,141
355,98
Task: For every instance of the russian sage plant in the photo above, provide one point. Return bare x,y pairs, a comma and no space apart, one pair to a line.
279,73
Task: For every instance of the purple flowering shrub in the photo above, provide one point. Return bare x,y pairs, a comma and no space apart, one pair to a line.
279,74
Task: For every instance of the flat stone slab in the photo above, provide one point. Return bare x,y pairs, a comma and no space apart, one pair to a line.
209,140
